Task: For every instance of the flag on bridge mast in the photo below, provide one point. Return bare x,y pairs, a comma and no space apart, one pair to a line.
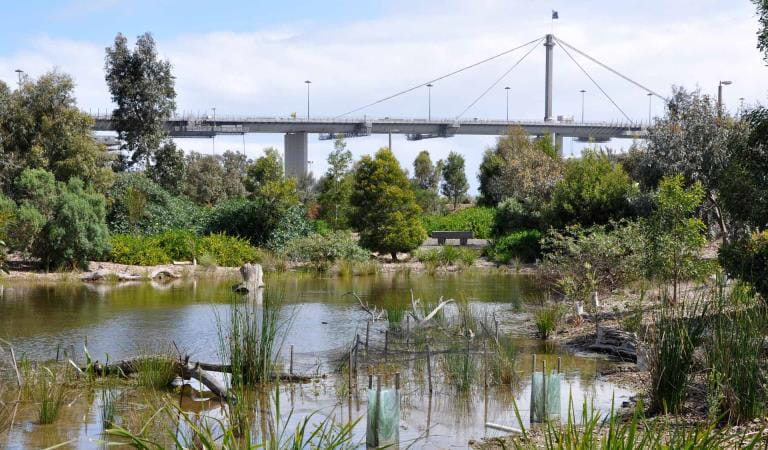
554,15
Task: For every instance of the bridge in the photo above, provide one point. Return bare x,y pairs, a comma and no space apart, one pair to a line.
297,130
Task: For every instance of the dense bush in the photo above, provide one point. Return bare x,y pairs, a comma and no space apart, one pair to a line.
139,205
747,259
76,231
320,249
581,260
522,245
513,214
180,245
259,222
593,190
477,219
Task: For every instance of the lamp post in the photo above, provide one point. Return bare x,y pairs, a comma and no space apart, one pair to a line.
429,101
213,130
506,88
308,83
582,104
720,96
741,104
650,98
19,72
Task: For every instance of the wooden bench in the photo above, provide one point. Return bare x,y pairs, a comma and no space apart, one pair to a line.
462,236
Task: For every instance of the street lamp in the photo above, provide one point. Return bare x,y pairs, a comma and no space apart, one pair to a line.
19,72
720,96
506,88
213,130
582,104
650,98
308,83
429,101
741,104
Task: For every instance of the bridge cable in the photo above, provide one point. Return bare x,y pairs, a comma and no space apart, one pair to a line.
606,67
439,78
596,84
500,78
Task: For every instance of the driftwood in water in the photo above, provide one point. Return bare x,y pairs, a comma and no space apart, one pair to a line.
105,274
216,386
428,317
252,278
374,312
164,274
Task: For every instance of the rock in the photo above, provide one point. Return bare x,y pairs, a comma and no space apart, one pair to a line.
252,278
615,342
164,274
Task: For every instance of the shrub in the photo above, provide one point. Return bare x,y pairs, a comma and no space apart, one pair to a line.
594,190
25,227
513,215
581,260
446,256
523,245
321,249
136,250
228,251
747,259
139,205
77,231
179,245
476,219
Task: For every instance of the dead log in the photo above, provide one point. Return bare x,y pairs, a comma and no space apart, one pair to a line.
615,342
164,274
252,279
216,386
105,274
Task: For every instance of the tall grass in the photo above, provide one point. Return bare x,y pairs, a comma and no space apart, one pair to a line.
108,407
459,366
503,362
612,431
155,372
676,333
548,319
48,392
252,339
737,382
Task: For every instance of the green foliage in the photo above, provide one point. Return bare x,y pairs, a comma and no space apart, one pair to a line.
37,188
25,227
514,214
455,184
142,87
518,167
476,219
386,213
734,347
747,259
673,235
676,334
169,169
48,391
582,260
41,127
322,250
447,255
522,245
593,190
155,372
293,224
181,245
76,231
548,319
335,187
138,205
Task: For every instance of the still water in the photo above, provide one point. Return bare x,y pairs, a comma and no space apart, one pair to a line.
121,320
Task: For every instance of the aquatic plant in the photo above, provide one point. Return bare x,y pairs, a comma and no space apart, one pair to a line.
502,363
108,407
155,372
48,391
459,366
548,319
251,341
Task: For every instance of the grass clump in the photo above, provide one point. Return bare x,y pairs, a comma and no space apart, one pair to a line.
155,372
459,367
736,380
548,319
676,334
48,392
446,255
502,363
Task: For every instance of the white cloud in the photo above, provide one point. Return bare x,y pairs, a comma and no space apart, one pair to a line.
262,72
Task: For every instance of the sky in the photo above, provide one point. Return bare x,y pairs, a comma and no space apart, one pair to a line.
252,58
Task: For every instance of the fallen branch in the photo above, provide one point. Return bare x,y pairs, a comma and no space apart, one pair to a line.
375,313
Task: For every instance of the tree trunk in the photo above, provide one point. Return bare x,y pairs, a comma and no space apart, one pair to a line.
394,256
720,218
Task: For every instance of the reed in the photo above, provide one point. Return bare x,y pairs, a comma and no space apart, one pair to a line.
460,366
734,344
548,319
108,408
48,392
676,333
252,338
155,372
503,362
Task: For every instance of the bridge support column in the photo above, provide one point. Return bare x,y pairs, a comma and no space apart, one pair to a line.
296,154
549,44
558,144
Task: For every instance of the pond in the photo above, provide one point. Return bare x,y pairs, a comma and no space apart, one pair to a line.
121,320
